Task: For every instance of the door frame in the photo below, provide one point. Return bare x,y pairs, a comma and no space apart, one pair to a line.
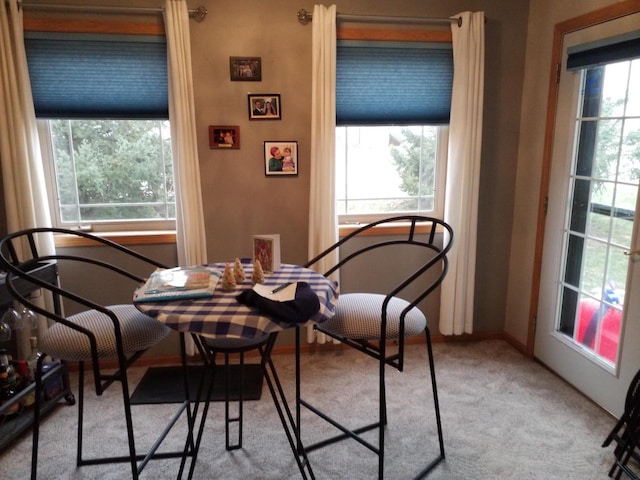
561,29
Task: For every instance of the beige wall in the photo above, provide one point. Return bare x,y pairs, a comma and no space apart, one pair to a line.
240,201
544,15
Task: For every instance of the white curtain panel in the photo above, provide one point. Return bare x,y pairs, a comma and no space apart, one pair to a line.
25,192
323,223
463,173
190,230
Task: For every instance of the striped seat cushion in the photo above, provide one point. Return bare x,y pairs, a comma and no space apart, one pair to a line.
139,332
358,317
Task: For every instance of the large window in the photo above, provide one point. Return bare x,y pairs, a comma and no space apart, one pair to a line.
392,108
384,170
102,107
109,174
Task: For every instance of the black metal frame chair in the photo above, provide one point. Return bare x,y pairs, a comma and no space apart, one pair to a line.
627,451
371,323
623,432
95,334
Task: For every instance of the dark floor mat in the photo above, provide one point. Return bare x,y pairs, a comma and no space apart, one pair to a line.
166,384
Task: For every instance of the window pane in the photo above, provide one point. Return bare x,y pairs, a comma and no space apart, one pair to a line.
613,96
608,149
386,169
113,170
633,99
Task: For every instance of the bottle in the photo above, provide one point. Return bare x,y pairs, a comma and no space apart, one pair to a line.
32,359
7,377
12,378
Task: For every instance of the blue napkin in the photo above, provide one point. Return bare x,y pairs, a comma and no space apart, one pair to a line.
299,310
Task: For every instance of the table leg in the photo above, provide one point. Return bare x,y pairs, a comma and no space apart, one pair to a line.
191,449
289,425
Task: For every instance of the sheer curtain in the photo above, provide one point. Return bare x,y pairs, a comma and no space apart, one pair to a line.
323,224
25,192
463,173
190,231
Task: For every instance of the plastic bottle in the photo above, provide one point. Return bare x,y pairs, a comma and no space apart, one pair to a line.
32,359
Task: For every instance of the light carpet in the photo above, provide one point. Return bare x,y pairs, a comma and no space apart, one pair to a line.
504,417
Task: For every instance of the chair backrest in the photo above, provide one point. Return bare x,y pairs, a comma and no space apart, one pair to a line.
428,233
21,257
632,400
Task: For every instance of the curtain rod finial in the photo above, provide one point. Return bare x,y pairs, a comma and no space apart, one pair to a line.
304,17
199,13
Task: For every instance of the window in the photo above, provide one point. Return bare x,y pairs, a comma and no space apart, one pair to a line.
102,108
392,111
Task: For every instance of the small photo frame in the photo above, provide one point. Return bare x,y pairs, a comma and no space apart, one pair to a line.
245,69
266,249
281,158
224,136
265,106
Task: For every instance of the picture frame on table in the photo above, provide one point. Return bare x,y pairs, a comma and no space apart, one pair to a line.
224,136
245,69
266,250
265,106
280,157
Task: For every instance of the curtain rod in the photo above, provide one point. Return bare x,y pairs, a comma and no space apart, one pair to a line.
305,17
197,14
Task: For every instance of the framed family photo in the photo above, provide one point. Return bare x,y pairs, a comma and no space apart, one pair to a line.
265,106
224,136
281,158
245,69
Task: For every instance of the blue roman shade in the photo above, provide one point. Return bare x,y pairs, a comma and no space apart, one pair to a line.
98,76
393,83
608,50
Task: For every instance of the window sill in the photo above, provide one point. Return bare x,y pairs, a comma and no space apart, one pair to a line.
124,238
399,228
169,236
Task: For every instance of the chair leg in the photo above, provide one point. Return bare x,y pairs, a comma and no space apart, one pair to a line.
131,458
79,460
382,419
129,420
36,419
436,402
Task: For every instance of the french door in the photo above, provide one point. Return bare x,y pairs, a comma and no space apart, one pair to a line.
588,320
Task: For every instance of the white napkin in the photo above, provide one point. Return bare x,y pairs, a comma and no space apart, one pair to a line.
285,294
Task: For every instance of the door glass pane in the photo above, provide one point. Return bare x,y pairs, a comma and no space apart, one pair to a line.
604,186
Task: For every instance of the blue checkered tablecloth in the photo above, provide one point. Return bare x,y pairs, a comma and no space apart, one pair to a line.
224,315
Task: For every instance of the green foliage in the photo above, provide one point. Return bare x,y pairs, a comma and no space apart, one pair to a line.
102,164
414,157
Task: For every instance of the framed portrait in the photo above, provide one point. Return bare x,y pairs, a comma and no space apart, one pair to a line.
224,136
265,106
281,158
245,69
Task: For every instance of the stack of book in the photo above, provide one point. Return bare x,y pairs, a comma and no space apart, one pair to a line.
178,284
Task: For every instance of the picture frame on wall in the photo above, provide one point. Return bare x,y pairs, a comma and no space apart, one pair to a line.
265,106
224,136
245,69
281,158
